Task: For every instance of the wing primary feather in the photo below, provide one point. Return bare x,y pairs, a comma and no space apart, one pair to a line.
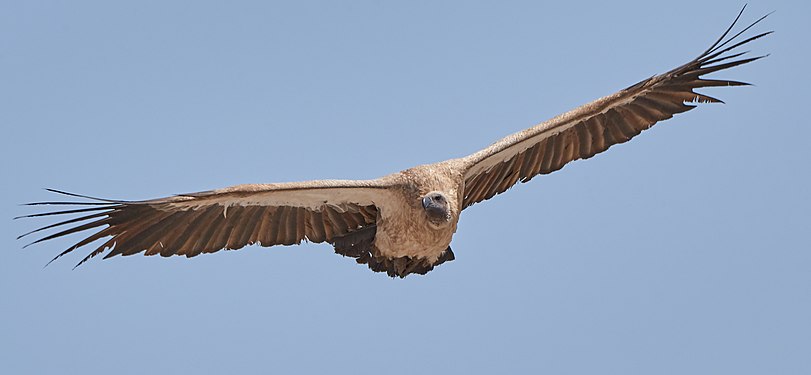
110,243
62,203
68,231
709,50
74,220
137,233
150,237
67,212
728,57
722,82
85,196
701,83
741,32
714,68
670,102
709,58
100,234
653,107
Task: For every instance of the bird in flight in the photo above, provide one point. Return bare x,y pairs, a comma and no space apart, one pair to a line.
401,223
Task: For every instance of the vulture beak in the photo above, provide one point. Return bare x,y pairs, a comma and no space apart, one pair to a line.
426,201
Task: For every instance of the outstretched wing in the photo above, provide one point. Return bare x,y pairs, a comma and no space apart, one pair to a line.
230,218
596,126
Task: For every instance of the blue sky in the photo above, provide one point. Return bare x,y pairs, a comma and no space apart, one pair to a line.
683,251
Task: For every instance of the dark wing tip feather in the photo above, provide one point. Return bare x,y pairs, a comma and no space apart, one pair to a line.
80,228
84,196
720,56
703,69
94,215
103,204
65,222
67,212
724,35
109,244
60,203
720,43
715,53
717,48
714,57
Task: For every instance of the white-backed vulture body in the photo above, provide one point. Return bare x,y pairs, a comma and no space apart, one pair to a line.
404,228
401,223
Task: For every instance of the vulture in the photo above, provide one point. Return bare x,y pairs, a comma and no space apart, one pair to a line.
401,223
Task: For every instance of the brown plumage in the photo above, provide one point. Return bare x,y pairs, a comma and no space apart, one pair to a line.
401,223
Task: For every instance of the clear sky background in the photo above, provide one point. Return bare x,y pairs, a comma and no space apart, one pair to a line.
684,251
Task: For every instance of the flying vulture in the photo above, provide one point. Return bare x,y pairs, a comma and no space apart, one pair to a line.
401,223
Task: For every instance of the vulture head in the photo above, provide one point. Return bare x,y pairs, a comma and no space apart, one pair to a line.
437,208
